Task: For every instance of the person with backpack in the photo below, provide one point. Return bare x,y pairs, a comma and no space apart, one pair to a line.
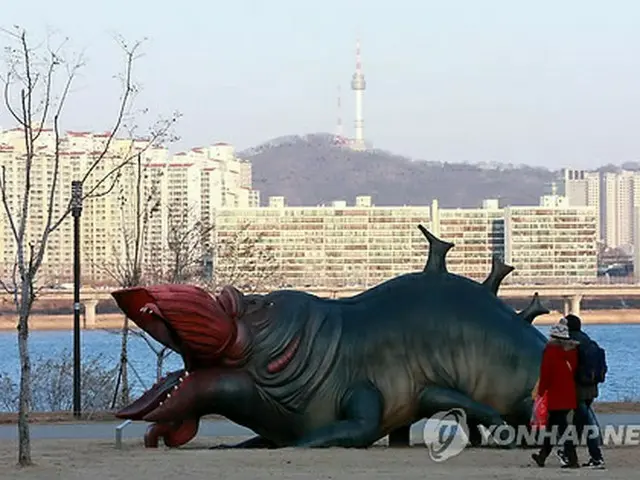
591,371
557,382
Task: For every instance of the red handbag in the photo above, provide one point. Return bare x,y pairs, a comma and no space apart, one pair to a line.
540,411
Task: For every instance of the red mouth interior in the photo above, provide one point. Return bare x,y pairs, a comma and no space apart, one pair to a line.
184,318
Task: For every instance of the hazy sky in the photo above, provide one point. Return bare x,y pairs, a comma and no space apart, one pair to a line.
550,83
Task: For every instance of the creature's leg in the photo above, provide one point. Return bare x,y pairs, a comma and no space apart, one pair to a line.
230,394
361,411
438,399
255,442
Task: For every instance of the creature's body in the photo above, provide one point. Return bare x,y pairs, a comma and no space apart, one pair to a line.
306,371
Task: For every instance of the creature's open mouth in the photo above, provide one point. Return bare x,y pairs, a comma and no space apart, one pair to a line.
152,405
202,329
154,397
174,406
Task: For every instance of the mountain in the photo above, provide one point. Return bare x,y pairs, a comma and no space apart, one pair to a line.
311,170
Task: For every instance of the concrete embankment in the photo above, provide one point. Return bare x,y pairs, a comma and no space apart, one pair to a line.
114,321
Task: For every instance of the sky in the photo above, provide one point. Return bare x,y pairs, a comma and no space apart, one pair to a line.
550,83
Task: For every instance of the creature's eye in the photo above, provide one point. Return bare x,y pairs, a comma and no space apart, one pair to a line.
270,304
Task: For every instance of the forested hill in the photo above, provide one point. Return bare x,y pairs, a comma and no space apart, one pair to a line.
310,170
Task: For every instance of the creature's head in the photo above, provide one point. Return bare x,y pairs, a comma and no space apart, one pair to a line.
200,327
209,332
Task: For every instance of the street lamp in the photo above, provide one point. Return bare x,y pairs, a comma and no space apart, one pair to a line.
76,211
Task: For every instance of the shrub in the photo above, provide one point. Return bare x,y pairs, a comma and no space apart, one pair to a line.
52,385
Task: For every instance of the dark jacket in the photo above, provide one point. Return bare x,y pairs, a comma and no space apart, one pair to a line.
584,392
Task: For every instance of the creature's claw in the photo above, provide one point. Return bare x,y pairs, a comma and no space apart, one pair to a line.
173,434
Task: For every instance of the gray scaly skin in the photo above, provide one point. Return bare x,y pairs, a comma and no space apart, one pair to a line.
317,372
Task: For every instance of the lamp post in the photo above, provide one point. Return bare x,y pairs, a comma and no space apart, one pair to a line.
76,211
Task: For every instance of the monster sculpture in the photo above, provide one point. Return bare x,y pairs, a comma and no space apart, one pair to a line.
300,370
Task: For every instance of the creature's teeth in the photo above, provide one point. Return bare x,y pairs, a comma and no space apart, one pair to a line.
175,388
181,379
186,374
168,396
161,403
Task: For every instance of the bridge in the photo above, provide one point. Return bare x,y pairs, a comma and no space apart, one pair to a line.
571,294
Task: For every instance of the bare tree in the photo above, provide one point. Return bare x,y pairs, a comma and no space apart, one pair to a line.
161,352
37,86
139,201
189,247
196,253
244,259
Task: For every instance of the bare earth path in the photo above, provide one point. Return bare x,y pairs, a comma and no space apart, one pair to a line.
97,460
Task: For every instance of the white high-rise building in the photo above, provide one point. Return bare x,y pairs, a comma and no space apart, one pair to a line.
103,216
187,187
621,195
582,189
636,245
193,185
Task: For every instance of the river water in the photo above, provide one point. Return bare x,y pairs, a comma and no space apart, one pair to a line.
621,343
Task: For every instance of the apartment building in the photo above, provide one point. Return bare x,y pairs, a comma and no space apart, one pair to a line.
582,189
636,241
614,195
362,245
551,244
81,153
477,233
621,196
174,191
195,184
336,245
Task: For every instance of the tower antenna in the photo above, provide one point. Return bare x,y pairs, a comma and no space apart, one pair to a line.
339,131
358,85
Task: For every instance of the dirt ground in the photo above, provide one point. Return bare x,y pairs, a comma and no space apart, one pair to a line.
107,416
97,460
111,321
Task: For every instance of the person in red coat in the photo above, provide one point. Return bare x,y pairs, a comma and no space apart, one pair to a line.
559,362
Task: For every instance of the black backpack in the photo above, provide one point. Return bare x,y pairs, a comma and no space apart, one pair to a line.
592,363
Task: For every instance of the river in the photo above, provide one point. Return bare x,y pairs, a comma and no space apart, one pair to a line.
621,343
